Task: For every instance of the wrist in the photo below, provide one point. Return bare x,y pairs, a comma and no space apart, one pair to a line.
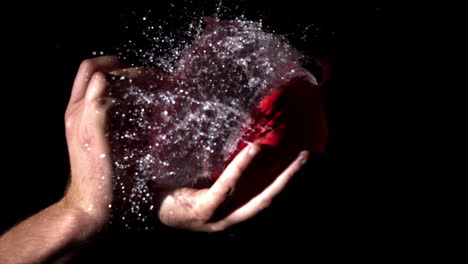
78,223
53,233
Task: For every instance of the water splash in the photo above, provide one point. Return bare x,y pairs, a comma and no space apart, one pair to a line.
182,119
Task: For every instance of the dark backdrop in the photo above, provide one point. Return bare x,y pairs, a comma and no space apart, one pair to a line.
345,203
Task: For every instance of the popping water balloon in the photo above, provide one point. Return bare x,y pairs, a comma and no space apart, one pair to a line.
235,84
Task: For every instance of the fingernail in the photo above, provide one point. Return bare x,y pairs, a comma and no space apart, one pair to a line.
253,149
304,157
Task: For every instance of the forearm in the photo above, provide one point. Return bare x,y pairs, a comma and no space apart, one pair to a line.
49,235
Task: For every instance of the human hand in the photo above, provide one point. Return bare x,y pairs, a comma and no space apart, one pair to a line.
53,234
90,187
198,210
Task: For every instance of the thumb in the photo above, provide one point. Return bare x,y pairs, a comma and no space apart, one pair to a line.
96,105
95,116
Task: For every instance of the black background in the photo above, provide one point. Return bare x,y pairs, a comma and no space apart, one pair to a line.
346,203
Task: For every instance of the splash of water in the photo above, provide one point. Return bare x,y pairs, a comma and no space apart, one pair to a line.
181,123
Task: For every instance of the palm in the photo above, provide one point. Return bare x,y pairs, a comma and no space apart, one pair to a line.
199,210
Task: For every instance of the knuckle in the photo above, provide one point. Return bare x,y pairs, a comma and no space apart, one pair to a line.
68,120
202,216
237,169
224,193
87,65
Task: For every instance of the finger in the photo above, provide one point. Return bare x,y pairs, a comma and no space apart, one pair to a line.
87,69
97,105
263,200
140,76
226,183
94,120
135,72
96,88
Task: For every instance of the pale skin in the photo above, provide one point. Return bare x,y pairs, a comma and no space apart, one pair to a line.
52,235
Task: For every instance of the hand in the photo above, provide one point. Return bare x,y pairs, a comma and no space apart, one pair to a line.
90,187
198,210
53,234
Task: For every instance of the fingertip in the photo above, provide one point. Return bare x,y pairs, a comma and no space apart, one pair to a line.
97,86
253,149
98,75
304,157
